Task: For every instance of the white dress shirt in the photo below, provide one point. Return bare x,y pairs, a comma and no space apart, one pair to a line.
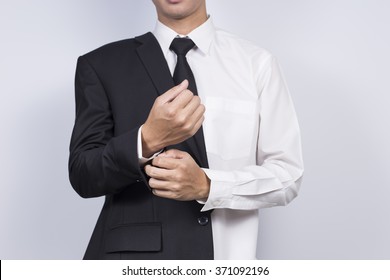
251,133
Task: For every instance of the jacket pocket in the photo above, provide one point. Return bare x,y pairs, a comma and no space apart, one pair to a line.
134,237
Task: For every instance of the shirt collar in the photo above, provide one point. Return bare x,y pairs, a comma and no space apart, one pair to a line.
202,36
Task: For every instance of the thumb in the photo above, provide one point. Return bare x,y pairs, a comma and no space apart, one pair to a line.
172,93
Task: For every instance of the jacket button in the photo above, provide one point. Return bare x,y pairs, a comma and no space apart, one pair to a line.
203,220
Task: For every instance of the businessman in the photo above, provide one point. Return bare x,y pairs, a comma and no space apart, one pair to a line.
187,132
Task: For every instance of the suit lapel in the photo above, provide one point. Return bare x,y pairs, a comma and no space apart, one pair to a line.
155,64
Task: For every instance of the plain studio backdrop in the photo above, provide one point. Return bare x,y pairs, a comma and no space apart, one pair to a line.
335,57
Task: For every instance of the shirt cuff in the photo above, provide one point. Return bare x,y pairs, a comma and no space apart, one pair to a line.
239,190
141,160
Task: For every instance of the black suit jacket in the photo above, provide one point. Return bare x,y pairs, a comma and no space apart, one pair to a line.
116,86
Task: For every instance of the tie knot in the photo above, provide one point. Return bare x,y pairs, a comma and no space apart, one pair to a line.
181,46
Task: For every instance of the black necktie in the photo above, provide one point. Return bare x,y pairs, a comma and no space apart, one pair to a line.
181,47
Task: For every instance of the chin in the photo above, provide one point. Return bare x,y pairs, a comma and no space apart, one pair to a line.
178,9
177,12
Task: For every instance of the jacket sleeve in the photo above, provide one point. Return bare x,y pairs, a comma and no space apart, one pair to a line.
100,162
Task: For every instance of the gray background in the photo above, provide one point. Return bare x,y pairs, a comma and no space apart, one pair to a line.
335,55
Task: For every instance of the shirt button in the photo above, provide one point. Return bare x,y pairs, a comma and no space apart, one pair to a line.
203,220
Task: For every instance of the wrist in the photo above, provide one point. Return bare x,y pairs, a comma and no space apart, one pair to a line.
206,187
149,146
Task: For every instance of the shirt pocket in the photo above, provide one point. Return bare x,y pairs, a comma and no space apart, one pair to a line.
230,127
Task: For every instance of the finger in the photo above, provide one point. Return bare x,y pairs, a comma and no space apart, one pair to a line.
191,106
159,173
199,112
201,109
163,194
170,195
171,94
196,120
173,153
197,125
166,162
182,99
164,189
159,185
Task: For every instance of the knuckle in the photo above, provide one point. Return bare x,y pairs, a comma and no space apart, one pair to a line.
179,177
188,127
156,161
152,173
171,113
176,187
188,93
152,182
147,169
181,174
196,99
158,100
200,110
182,121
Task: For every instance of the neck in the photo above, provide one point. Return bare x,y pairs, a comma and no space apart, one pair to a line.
184,26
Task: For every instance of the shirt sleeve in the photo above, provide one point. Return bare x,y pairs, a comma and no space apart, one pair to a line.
143,161
276,177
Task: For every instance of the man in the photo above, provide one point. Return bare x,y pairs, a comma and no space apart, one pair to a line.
182,180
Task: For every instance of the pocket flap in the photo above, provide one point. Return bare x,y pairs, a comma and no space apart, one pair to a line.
134,237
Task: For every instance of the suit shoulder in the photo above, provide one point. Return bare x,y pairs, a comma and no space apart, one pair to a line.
110,50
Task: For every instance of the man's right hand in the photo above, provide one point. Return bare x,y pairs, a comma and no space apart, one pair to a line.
175,116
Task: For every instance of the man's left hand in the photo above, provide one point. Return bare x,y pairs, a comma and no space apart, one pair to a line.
175,175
